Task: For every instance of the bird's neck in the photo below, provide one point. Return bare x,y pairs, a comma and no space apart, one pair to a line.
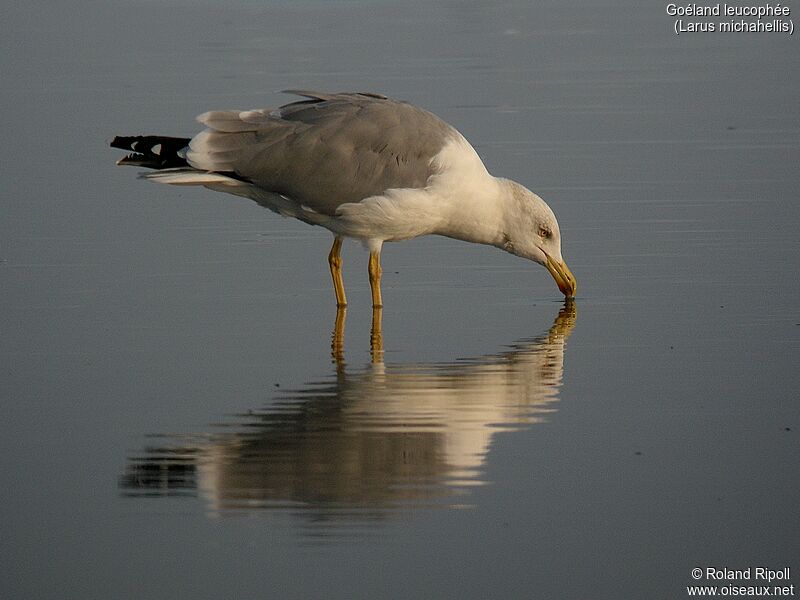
472,204
478,212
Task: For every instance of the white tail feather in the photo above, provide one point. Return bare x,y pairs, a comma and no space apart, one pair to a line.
228,133
189,177
213,151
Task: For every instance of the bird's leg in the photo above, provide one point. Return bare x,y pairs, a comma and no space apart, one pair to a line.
335,262
375,278
376,336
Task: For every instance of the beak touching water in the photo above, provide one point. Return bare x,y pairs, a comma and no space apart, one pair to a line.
563,276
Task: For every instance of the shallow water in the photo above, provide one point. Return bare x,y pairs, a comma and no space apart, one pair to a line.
178,423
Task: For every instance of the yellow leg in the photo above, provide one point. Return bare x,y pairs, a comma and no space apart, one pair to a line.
375,278
335,262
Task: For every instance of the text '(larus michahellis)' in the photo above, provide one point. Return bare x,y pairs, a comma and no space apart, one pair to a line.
363,166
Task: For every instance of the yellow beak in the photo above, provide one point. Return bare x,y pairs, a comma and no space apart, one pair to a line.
563,276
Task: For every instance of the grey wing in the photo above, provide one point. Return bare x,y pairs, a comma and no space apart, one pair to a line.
324,151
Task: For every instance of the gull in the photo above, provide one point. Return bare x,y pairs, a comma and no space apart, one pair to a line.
364,166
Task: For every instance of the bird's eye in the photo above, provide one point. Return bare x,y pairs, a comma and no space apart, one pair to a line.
545,233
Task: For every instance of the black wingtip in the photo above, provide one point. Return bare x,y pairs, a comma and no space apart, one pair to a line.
121,142
151,151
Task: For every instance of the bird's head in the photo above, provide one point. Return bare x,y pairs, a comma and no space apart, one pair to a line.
531,231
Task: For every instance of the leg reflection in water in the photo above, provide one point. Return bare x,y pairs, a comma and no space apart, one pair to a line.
375,336
364,442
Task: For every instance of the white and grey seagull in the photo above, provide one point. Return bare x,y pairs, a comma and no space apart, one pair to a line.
363,166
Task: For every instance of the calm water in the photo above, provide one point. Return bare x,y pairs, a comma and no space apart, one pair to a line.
181,419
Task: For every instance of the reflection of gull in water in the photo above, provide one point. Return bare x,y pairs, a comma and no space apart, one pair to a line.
383,437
